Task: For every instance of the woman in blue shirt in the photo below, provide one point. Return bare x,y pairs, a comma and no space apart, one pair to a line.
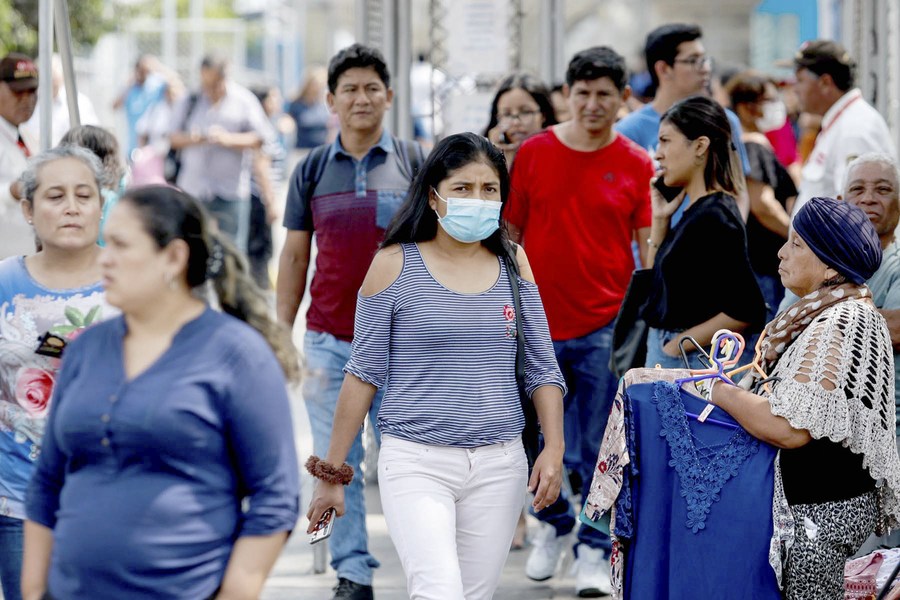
166,421
436,328
54,291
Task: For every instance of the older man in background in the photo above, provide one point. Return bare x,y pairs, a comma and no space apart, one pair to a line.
18,97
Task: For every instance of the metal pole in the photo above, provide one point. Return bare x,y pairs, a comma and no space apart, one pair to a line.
389,35
45,83
362,19
197,34
64,43
403,61
170,34
548,40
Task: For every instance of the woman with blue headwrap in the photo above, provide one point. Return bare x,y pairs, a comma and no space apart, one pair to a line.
831,408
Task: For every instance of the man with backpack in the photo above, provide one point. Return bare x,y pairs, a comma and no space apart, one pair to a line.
346,192
217,132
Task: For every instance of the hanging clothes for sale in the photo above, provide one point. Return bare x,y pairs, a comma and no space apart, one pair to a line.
691,503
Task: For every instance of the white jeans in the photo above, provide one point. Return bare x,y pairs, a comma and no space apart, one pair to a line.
451,513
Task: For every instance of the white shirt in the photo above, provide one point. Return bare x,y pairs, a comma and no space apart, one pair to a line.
851,127
59,117
16,236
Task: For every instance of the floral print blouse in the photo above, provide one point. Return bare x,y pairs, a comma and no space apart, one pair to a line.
28,311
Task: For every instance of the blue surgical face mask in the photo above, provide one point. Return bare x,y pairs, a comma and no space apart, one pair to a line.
470,220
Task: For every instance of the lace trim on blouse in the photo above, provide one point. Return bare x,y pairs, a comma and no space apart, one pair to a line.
703,471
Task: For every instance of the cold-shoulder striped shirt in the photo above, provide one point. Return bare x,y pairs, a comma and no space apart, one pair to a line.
446,360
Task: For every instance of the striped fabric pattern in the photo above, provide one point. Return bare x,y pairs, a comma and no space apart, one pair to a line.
447,360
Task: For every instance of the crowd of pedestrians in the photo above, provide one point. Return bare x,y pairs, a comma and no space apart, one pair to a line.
144,370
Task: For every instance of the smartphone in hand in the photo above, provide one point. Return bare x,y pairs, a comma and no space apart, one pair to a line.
668,192
323,527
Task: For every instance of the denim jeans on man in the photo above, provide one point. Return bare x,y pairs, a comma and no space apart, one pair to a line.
11,557
233,218
584,362
323,374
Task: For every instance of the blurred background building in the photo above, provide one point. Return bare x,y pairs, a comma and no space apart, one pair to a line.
470,43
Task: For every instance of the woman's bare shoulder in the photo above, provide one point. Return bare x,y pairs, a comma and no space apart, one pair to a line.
384,270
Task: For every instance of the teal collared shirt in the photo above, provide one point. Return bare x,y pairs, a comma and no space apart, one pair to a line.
885,288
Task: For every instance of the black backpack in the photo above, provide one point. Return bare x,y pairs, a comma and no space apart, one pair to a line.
172,163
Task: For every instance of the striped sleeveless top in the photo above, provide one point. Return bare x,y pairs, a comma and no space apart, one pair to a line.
446,360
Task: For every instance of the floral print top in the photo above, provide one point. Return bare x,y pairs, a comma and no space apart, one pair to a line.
28,310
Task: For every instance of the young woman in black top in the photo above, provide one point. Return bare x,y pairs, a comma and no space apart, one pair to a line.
754,98
702,280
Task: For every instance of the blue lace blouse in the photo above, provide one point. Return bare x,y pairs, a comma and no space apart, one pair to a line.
695,511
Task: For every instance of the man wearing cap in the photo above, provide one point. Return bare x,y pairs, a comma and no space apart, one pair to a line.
850,125
18,96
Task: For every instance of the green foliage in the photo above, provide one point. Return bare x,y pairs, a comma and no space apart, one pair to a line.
19,23
212,9
15,35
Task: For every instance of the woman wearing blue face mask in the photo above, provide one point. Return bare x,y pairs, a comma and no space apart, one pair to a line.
436,328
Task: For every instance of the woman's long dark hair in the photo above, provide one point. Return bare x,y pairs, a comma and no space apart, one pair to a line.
416,221
699,116
168,214
534,87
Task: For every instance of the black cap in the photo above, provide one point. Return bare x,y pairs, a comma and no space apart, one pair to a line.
826,56
18,72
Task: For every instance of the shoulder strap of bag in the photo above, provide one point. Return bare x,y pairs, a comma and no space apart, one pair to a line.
530,434
191,105
512,271
410,154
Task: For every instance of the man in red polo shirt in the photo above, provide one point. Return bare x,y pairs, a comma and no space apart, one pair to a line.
580,194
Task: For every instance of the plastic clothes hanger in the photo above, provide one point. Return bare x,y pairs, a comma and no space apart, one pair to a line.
727,348
697,348
764,382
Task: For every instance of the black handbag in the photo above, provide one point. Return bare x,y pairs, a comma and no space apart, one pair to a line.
629,344
532,430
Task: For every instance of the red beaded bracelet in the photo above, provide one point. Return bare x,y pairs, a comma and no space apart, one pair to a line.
329,473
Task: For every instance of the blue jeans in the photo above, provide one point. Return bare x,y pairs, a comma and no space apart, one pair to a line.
233,218
325,357
657,338
11,557
584,362
773,293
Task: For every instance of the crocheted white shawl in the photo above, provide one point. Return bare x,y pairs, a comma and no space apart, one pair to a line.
837,382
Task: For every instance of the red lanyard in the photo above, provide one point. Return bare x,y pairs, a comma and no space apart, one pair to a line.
840,112
24,148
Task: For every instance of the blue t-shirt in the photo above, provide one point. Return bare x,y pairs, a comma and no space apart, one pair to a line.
144,480
28,310
137,101
642,128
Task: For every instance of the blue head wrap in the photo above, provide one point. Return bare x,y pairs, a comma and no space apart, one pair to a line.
842,236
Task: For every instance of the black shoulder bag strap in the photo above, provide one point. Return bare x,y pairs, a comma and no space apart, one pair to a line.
531,432
410,154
